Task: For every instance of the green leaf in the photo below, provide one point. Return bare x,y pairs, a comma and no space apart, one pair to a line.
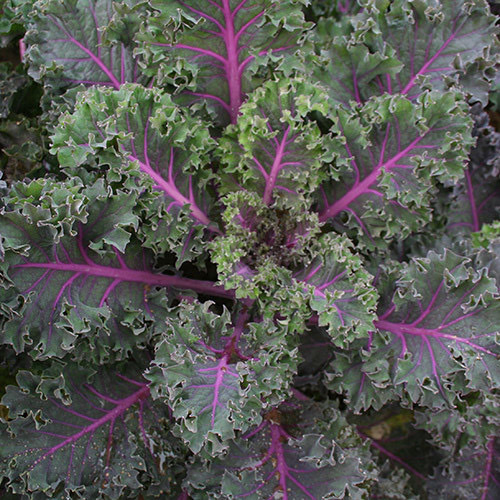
156,143
303,451
272,151
219,47
340,291
437,43
390,153
443,324
67,43
89,432
217,378
68,280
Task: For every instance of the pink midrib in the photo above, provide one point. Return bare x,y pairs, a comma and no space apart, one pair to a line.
232,65
403,329
132,275
277,434
111,416
487,472
172,191
219,379
424,68
364,185
276,167
94,58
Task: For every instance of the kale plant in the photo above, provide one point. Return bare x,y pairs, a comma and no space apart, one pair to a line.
249,249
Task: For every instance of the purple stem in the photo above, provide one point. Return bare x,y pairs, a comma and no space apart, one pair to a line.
276,167
424,68
91,55
171,190
131,275
22,49
401,329
363,186
487,472
121,407
392,456
232,66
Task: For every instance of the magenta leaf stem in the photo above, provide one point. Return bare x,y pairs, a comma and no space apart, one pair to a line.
391,456
131,275
121,406
362,187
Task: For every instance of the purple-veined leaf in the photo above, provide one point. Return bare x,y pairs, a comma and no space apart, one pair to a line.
69,37
434,42
477,197
216,378
299,452
168,148
390,154
363,378
341,292
472,473
350,72
443,321
84,431
84,282
271,151
224,38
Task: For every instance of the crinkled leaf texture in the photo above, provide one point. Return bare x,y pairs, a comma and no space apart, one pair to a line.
390,153
341,292
272,151
87,283
301,451
407,47
97,434
257,250
476,200
154,136
217,378
224,45
472,473
67,39
443,330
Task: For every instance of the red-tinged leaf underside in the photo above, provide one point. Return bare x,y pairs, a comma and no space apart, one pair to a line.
429,47
445,331
67,286
384,174
69,34
87,442
223,47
